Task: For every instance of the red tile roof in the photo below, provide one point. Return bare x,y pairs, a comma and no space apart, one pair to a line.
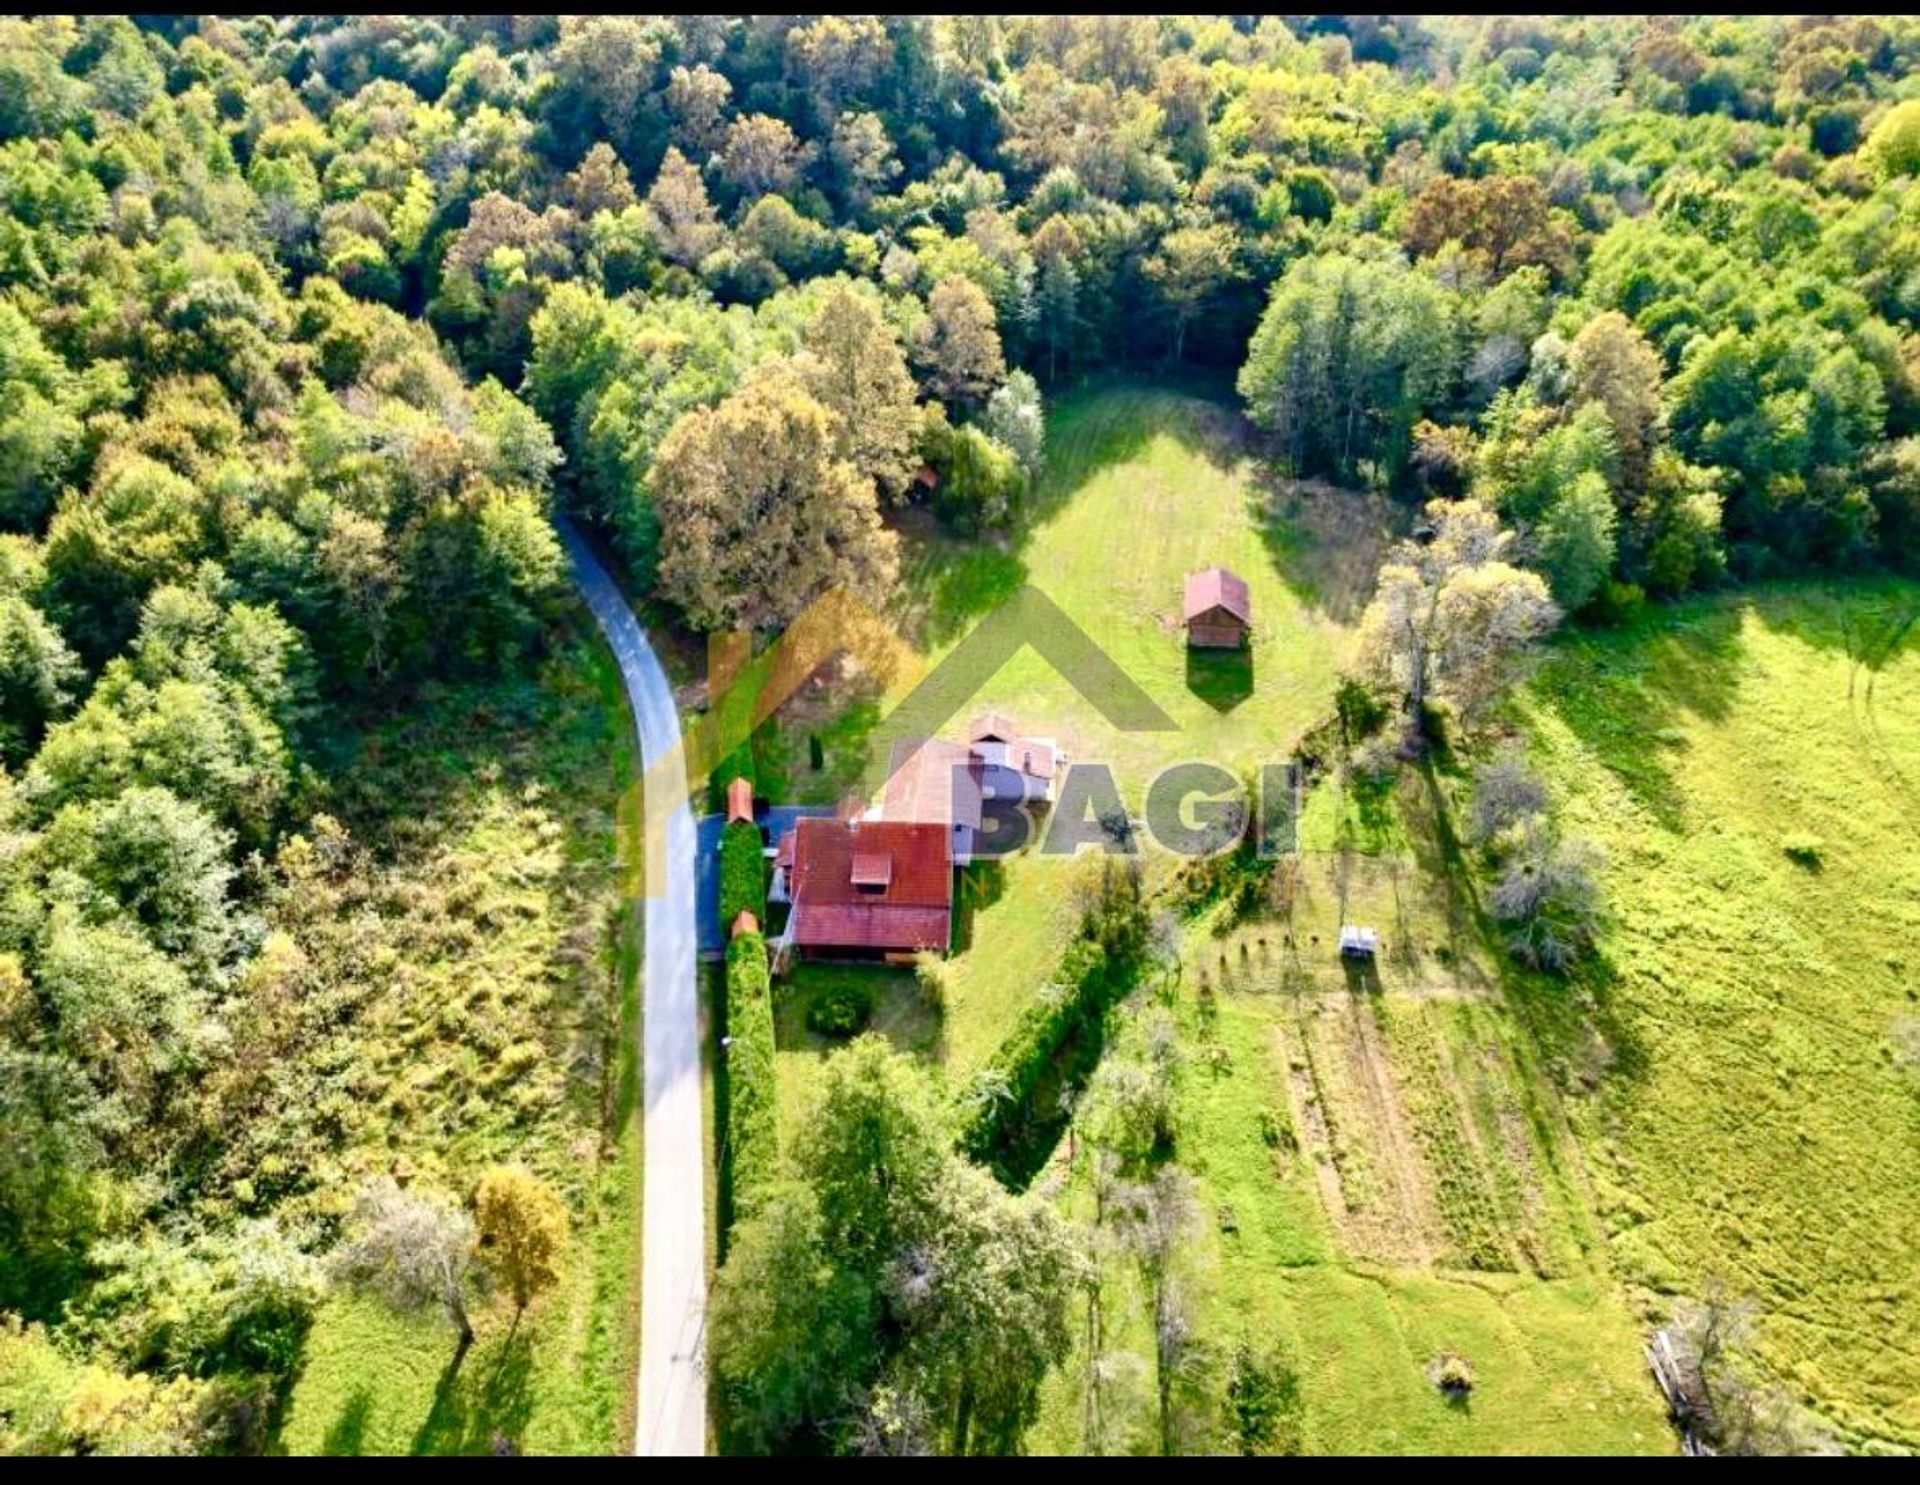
744,922
1215,587
910,910
739,801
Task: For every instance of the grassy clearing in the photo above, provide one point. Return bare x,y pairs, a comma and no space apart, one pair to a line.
1750,1121
900,1013
1142,486
1383,1171
509,1034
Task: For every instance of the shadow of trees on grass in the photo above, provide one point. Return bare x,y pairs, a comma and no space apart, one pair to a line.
1626,692
482,1408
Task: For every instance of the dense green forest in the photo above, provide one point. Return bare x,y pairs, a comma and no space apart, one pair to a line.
308,325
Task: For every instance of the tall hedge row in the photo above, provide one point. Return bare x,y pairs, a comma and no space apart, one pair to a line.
753,1123
1080,995
743,874
1060,1030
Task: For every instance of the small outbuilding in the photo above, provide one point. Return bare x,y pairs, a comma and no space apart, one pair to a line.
740,801
1218,610
1357,942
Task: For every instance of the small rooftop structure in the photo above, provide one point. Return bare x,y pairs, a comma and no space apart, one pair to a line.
744,922
1012,764
872,869
992,727
740,801
1217,609
1357,942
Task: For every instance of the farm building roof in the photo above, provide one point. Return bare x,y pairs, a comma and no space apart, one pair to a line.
932,781
1215,587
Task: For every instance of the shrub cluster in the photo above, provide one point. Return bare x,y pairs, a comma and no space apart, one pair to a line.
841,1007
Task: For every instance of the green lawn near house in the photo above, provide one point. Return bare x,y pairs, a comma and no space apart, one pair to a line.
1384,1171
1446,1155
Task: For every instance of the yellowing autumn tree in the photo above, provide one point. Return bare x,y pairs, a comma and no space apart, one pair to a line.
759,513
960,346
1451,617
854,366
523,1228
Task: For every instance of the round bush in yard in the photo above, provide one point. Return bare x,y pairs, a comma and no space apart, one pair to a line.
1452,1374
840,1008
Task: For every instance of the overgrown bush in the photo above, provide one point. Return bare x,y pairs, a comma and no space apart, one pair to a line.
1546,891
1505,792
1803,849
743,874
1263,1402
753,1124
935,978
840,1007
1548,896
1360,710
1452,1374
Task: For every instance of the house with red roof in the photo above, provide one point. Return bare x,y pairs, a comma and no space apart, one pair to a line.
868,889
1218,610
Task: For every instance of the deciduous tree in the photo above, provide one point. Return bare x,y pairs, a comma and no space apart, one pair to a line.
759,514
522,1224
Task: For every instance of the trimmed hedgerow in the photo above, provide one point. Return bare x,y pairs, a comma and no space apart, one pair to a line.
752,1104
743,874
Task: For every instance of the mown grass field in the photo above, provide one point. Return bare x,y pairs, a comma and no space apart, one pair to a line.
511,1037
1750,1120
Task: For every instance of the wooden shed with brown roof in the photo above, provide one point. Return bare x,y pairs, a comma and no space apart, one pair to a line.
1218,610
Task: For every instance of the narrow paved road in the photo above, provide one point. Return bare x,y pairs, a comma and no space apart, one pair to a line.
672,1411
